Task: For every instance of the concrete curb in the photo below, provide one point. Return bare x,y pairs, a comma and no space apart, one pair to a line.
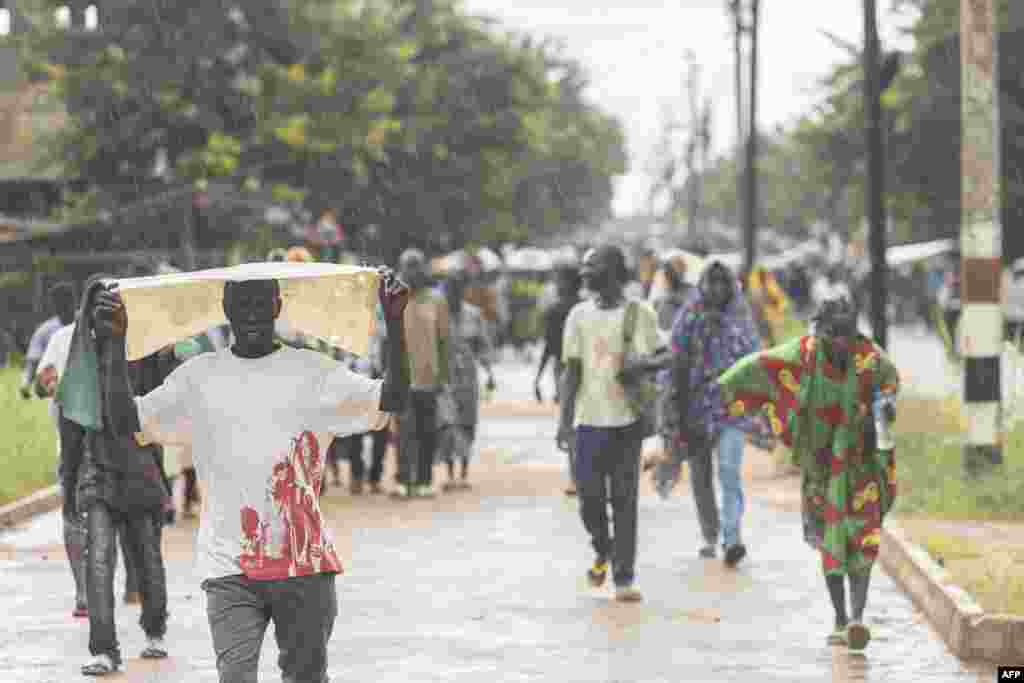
23,509
968,631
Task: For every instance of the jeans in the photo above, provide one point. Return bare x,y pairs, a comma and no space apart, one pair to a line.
608,470
303,609
730,462
418,439
142,538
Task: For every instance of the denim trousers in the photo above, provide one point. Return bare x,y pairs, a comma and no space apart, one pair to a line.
303,609
141,538
729,446
608,471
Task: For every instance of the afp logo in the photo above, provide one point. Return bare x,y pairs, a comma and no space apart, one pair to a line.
1010,673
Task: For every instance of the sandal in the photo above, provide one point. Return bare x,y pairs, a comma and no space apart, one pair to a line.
858,635
100,665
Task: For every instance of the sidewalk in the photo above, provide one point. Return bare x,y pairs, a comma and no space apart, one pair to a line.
487,585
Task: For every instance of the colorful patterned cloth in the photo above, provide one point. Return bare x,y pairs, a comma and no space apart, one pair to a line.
821,413
714,352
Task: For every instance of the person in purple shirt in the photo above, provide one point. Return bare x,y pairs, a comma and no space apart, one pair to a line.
713,330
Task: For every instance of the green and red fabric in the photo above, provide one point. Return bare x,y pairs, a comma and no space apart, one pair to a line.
820,414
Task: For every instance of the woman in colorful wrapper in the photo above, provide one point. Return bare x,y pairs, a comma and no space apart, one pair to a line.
829,396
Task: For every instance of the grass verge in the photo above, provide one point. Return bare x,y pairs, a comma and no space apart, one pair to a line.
28,450
992,574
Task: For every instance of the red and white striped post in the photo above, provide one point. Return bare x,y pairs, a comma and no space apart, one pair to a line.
981,323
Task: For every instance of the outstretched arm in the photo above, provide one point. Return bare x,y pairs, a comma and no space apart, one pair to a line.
110,322
394,296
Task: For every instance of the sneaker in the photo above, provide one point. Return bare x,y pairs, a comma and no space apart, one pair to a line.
597,574
627,594
155,649
132,598
80,612
708,552
735,553
425,491
100,665
858,636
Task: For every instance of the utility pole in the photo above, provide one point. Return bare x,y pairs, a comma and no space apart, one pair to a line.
875,208
750,204
981,322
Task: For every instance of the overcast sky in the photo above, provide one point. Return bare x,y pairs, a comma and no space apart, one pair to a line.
634,52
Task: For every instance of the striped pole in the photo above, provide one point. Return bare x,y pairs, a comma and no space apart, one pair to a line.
981,322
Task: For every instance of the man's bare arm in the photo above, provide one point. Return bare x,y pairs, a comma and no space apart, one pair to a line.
394,296
569,388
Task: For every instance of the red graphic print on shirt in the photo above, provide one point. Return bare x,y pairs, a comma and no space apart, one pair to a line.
289,539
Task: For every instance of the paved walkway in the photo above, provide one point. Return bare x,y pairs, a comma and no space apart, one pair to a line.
487,586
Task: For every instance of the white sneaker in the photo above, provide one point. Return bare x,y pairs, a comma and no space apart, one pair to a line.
155,649
99,665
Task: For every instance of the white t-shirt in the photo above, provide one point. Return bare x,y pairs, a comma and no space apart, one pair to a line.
594,336
259,430
55,359
57,351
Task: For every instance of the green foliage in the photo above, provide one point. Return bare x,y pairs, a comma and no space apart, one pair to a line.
411,115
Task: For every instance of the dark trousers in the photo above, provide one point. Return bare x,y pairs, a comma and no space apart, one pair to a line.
303,609
608,471
142,537
354,454
418,439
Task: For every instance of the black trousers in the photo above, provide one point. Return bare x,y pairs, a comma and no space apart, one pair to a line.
141,538
417,440
608,471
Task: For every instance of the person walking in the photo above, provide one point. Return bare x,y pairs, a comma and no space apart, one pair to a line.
713,331
469,348
568,282
64,302
116,485
257,415
596,414
830,397
426,321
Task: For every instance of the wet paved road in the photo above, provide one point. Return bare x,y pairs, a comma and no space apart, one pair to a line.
489,588
492,590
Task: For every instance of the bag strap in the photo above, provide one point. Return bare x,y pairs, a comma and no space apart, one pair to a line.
629,325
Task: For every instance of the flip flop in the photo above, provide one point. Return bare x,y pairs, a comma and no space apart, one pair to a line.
858,636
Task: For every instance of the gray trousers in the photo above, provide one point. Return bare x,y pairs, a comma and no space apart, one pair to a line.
303,609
